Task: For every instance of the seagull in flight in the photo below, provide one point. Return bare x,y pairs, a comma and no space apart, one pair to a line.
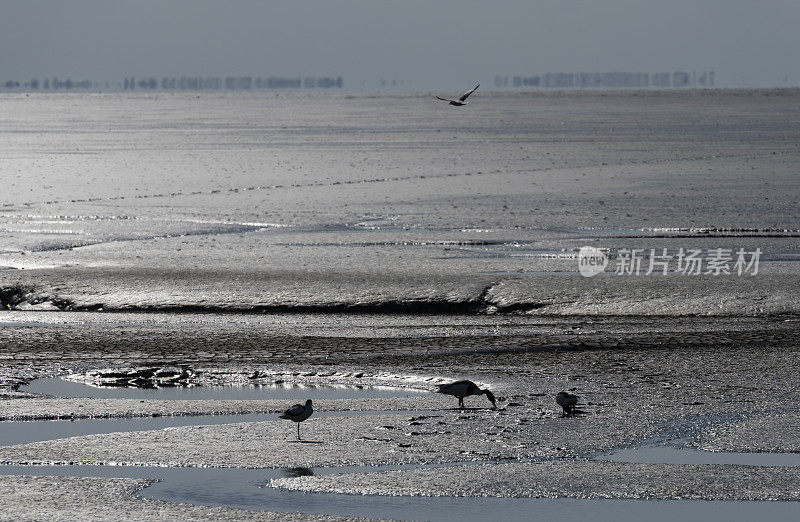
462,100
463,389
298,413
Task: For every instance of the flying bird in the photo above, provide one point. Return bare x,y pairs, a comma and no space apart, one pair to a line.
567,401
298,413
462,100
463,389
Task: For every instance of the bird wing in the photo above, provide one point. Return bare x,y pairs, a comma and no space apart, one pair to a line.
295,410
443,99
458,388
466,94
566,399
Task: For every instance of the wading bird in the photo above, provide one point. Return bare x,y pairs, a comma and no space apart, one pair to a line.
462,100
567,401
463,389
298,413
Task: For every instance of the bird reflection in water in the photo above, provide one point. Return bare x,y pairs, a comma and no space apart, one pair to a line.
297,472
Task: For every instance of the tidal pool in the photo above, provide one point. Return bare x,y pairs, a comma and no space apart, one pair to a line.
246,489
56,387
664,454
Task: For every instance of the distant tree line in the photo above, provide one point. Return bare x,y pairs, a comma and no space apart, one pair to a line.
184,83
48,83
609,80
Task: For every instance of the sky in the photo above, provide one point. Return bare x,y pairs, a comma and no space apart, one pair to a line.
418,44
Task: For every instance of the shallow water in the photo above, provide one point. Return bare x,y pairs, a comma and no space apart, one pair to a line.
57,387
22,432
673,455
249,488
244,488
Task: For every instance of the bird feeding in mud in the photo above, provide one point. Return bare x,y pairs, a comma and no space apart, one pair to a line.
298,413
462,100
463,389
567,401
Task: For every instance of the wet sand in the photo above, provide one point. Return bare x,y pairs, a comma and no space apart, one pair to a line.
351,240
635,387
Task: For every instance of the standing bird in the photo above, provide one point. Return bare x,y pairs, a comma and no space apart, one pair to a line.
298,413
462,100
567,401
463,389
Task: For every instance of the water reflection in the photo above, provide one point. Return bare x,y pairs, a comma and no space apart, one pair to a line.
297,472
57,387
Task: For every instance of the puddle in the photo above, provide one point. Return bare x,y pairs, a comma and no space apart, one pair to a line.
244,489
22,432
56,387
674,455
